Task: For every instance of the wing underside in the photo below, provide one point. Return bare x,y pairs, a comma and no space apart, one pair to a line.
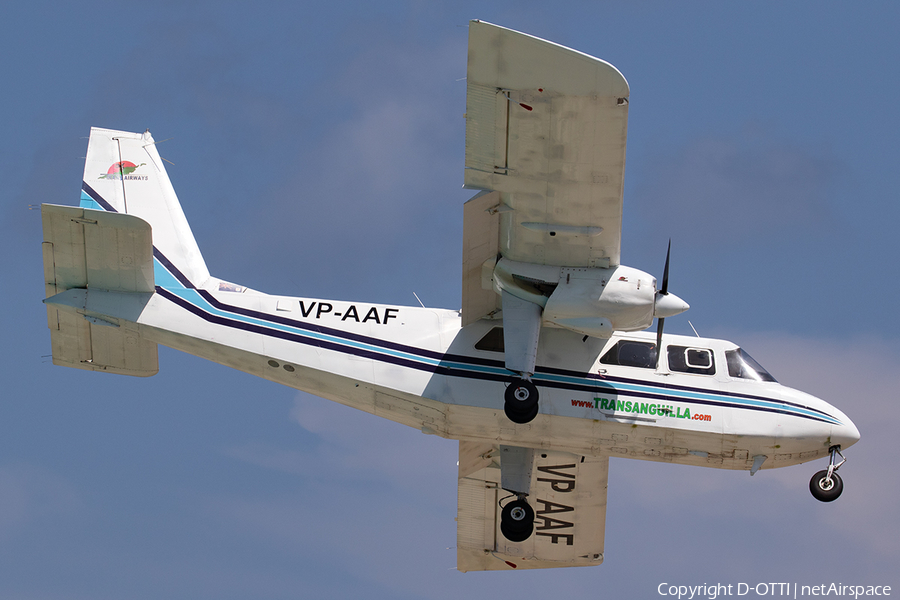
569,500
546,127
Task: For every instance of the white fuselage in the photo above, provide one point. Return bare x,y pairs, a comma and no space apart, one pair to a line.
418,367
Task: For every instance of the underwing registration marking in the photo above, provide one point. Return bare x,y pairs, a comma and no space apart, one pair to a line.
547,520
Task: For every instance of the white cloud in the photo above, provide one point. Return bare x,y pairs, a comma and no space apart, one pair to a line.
352,446
370,496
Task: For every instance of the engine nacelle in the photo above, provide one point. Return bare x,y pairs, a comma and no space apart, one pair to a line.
591,301
597,302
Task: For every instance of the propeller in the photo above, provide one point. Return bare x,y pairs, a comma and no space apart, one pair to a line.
663,291
666,305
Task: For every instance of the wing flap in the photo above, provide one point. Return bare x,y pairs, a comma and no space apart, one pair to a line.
481,244
568,496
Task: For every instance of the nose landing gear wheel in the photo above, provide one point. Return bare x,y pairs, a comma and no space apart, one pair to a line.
517,521
825,489
826,485
521,401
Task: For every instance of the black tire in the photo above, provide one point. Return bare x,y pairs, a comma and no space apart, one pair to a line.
517,521
515,416
820,488
521,401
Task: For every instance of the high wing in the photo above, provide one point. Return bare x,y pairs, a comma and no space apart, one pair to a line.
546,128
569,500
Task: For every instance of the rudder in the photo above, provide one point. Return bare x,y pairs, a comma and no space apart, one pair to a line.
124,173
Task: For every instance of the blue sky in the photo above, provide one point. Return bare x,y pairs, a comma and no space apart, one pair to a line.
318,151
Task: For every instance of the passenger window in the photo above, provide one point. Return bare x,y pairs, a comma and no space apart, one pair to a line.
631,354
698,361
492,341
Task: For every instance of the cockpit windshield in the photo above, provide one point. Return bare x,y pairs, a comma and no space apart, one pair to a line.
741,364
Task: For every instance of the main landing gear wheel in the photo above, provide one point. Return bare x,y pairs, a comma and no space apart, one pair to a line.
826,489
521,401
517,521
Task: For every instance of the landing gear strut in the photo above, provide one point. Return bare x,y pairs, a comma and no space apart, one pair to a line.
826,485
517,520
521,401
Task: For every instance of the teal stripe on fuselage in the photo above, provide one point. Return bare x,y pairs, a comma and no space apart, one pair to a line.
196,299
88,202
166,280
163,278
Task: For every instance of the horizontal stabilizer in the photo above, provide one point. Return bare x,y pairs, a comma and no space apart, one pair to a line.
96,249
88,249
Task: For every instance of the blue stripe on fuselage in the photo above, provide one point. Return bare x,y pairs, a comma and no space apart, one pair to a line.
88,202
174,286
452,365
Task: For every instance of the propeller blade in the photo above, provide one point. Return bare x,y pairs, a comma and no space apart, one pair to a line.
665,284
663,291
659,331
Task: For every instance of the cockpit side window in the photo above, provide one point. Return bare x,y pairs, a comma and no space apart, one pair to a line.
742,365
629,353
699,361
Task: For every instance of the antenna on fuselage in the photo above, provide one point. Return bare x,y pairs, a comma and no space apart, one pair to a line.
694,328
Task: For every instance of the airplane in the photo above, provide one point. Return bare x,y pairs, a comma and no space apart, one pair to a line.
544,374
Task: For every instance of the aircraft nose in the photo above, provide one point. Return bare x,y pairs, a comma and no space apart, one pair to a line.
844,435
669,305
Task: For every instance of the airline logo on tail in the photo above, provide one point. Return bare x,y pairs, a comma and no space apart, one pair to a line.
124,170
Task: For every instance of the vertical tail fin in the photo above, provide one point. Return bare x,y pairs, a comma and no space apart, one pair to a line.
124,173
